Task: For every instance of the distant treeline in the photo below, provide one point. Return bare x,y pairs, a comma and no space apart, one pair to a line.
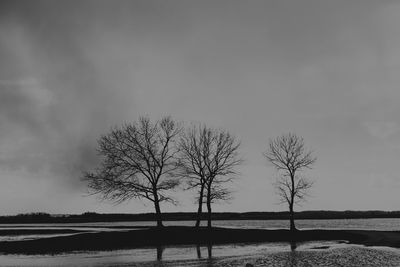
41,217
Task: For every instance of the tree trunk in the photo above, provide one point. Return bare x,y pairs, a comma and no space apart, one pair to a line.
209,207
158,210
291,218
292,196
200,209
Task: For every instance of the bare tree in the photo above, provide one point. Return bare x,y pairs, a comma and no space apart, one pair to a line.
287,153
138,162
192,164
208,158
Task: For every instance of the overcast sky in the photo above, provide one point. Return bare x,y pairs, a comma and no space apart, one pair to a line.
326,70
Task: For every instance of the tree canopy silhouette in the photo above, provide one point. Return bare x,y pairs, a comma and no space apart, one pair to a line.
207,160
138,161
287,153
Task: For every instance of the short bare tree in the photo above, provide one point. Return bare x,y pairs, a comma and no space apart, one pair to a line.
287,153
208,158
138,161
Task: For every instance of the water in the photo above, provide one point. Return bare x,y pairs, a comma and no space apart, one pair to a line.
348,224
326,253
385,224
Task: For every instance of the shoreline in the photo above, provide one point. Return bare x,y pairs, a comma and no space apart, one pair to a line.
182,235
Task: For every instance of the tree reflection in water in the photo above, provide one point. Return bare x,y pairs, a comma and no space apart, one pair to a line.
293,245
209,251
198,251
292,261
160,250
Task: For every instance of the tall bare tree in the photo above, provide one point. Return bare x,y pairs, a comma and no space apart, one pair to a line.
138,161
192,164
287,153
208,158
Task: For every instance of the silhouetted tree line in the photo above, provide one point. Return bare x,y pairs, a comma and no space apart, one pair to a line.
146,160
186,216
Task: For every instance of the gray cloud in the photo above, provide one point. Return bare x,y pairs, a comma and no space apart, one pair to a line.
326,70
35,137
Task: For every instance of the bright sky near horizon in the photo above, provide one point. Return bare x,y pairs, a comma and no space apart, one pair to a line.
326,70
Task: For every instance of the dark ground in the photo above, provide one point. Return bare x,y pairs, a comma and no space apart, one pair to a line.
180,235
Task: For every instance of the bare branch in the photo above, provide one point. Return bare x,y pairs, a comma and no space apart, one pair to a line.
208,158
138,161
288,155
